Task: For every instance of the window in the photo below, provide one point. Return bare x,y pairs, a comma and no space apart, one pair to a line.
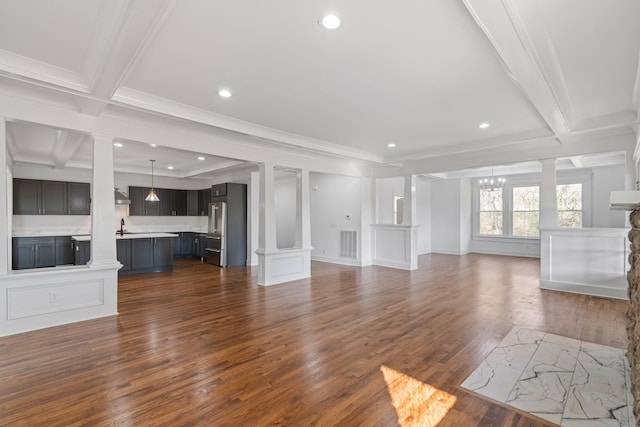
513,211
491,212
398,209
526,211
570,205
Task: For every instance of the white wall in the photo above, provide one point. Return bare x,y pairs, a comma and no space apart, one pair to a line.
605,180
285,207
423,214
446,209
332,199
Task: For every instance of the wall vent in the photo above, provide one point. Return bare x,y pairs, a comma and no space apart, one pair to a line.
349,244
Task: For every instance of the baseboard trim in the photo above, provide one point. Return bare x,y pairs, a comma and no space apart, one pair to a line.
584,289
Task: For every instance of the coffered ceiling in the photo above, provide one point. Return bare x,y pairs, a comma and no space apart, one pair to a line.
552,78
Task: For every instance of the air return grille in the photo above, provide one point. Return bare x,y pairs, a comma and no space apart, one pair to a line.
349,244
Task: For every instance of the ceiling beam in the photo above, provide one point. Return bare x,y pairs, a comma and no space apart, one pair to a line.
119,40
64,148
212,168
504,27
576,161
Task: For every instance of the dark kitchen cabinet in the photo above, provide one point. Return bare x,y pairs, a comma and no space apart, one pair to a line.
204,198
136,196
162,253
123,253
181,203
35,197
64,250
176,246
144,255
218,190
186,243
192,203
33,252
172,202
141,254
167,201
54,198
27,197
200,246
78,198
82,252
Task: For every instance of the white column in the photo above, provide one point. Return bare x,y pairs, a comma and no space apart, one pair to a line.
254,217
279,266
103,210
409,208
267,228
303,210
367,208
267,233
5,203
630,171
548,196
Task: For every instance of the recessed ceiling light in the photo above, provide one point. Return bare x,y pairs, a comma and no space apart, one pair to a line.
330,21
117,144
153,145
224,93
391,145
170,167
484,125
200,158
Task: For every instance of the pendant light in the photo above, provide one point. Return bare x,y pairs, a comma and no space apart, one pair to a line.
152,196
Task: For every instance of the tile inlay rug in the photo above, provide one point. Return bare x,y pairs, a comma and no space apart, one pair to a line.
565,381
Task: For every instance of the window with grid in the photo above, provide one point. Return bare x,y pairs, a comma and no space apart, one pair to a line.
491,206
569,205
526,211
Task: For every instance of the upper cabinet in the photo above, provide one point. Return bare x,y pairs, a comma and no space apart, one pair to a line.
172,202
36,197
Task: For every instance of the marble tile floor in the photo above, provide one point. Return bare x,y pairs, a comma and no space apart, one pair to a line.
568,382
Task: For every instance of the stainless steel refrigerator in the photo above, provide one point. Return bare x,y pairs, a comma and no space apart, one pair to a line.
216,236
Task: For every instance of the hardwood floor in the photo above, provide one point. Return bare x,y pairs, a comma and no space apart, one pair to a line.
203,346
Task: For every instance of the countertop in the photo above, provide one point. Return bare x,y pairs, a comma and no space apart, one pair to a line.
86,237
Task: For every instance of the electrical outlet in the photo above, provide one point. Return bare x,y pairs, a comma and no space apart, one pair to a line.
54,297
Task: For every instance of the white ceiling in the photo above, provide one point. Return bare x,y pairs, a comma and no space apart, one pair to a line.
420,74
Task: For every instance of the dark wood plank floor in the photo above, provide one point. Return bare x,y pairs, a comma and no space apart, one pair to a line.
203,346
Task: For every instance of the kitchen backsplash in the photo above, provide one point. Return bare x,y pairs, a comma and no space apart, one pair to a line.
68,225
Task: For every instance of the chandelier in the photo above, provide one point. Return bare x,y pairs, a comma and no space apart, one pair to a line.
492,183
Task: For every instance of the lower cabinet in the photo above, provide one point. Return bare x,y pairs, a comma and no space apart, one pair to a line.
65,253
200,250
33,252
82,252
144,255
123,253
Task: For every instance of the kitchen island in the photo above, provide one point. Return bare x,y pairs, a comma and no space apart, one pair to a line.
137,252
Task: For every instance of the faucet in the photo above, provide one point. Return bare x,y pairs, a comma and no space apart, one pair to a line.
122,226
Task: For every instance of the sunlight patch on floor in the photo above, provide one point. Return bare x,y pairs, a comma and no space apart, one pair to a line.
416,403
